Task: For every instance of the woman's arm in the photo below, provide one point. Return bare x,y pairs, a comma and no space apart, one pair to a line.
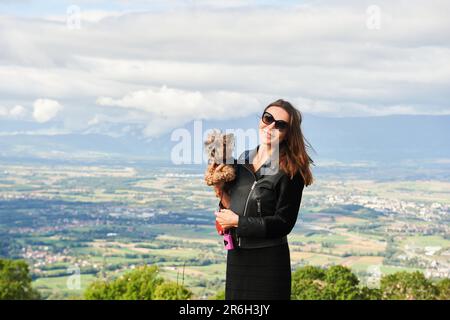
286,212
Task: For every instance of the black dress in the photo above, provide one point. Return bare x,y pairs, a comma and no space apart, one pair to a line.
259,273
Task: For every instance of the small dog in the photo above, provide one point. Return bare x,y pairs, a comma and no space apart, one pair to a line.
220,171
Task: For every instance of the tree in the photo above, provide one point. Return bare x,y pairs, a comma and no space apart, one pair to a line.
407,286
15,281
367,293
101,290
143,283
309,272
339,283
308,283
220,295
171,291
443,287
334,283
342,284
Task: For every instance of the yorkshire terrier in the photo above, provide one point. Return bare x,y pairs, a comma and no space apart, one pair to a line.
220,171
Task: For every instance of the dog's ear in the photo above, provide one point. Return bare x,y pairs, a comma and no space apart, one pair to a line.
213,136
229,145
229,139
212,142
210,138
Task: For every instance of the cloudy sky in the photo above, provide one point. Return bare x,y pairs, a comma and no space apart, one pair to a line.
160,64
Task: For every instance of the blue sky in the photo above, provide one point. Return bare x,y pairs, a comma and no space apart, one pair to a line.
147,63
41,8
45,7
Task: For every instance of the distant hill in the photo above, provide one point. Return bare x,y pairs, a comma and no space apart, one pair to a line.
380,139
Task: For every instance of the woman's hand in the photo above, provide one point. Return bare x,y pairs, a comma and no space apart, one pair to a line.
227,218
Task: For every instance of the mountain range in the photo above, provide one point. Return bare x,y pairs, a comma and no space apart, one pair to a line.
381,139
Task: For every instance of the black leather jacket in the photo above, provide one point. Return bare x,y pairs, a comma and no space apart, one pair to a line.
267,203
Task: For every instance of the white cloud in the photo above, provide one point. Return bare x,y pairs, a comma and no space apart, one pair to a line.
95,120
319,54
16,112
45,109
173,107
88,16
39,132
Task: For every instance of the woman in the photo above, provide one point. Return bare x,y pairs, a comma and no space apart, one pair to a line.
263,204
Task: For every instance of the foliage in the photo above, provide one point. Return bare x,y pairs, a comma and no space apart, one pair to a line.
334,283
143,283
443,287
219,296
15,281
408,286
339,283
171,291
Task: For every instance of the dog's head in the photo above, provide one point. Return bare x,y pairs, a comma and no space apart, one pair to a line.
219,146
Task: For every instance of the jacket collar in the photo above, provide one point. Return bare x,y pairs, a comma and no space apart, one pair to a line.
248,155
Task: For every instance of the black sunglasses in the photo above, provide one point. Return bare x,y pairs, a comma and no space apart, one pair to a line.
268,119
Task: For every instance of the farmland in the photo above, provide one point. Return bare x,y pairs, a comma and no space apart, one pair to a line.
90,222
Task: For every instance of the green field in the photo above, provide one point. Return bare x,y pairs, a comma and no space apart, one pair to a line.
109,220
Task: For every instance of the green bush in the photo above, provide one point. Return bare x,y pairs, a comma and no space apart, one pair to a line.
15,281
443,287
219,296
171,291
334,283
408,286
308,283
339,283
143,283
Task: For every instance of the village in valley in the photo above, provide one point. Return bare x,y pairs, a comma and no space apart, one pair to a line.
99,221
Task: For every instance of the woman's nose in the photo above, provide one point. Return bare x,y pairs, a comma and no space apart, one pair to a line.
271,126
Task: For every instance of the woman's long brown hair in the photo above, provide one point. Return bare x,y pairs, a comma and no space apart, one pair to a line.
293,154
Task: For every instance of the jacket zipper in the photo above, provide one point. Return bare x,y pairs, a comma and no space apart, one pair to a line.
246,204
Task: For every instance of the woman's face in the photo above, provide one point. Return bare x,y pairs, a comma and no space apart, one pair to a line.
268,134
